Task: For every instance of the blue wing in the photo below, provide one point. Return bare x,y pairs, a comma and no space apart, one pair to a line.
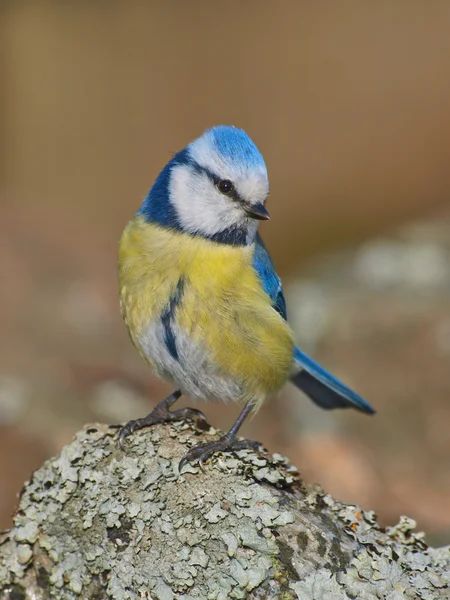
323,388
263,265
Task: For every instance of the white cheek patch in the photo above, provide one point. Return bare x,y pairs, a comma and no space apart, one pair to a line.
200,207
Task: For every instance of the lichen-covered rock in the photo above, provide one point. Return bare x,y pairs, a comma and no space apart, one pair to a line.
98,522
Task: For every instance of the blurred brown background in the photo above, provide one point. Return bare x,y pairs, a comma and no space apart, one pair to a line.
350,104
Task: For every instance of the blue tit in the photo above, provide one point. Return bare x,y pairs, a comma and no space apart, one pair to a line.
200,295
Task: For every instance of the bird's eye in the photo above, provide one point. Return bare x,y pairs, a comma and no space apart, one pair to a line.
225,186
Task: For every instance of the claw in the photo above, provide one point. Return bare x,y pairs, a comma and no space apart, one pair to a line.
202,452
201,462
121,439
193,454
160,414
130,428
183,462
189,413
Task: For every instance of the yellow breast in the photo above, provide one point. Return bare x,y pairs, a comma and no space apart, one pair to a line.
223,306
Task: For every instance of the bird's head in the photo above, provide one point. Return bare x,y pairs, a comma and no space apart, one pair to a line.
216,188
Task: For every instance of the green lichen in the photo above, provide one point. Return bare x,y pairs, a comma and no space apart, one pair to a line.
98,522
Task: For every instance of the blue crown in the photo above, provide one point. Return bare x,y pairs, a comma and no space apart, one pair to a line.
235,146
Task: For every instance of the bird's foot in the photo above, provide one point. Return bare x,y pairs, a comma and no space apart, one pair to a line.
202,452
160,414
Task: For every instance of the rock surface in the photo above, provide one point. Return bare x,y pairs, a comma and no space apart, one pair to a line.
97,522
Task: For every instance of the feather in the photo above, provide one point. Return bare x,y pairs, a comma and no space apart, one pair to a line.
263,265
319,385
323,388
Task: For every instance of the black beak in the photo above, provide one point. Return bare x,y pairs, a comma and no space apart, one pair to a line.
257,211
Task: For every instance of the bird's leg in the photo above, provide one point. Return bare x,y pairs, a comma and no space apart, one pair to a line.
227,443
161,414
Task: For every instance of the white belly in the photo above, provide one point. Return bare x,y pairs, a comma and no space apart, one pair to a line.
187,364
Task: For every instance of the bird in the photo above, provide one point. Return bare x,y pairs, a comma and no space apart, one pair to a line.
200,295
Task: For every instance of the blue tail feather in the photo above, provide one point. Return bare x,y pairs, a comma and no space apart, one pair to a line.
323,388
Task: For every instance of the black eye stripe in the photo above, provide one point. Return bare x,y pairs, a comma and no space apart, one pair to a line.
226,187
216,180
